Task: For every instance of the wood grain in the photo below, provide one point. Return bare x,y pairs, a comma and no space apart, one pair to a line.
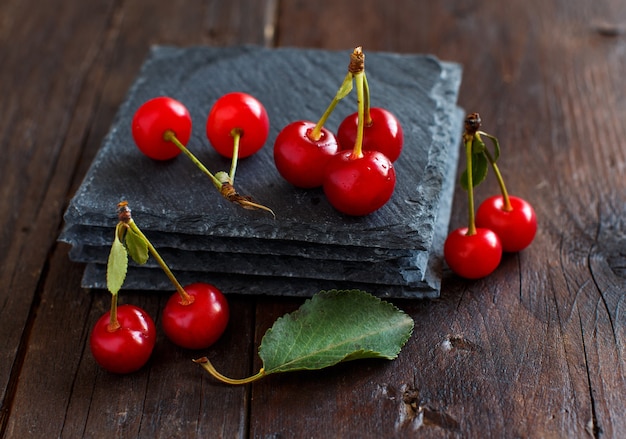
37,119
61,99
535,350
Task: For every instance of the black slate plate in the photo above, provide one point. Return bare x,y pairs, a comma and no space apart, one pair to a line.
408,270
292,84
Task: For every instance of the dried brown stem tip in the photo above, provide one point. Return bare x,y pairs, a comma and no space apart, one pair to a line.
123,212
357,61
472,123
228,191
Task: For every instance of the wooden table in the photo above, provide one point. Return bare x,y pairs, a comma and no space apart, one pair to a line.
537,349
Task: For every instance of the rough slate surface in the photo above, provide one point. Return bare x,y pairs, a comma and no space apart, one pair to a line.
292,84
403,271
94,236
244,284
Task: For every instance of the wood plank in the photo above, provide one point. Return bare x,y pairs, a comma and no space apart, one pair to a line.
43,142
537,349
585,110
83,62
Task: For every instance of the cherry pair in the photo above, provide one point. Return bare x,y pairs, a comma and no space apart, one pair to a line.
122,339
237,126
354,167
502,223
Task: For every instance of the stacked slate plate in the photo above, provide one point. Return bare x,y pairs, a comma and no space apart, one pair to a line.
309,246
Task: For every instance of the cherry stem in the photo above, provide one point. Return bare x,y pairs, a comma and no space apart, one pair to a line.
366,99
186,299
208,366
222,181
114,324
171,137
344,90
357,152
496,170
236,133
471,225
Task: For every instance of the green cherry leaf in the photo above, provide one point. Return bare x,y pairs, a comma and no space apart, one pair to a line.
345,88
480,166
117,265
137,247
496,146
478,146
335,326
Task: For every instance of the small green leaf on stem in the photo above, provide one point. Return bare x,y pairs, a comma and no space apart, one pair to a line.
117,264
496,146
137,247
345,88
480,166
478,146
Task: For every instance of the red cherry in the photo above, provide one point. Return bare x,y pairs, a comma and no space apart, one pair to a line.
472,256
359,186
199,324
127,348
242,112
153,119
383,134
301,160
515,228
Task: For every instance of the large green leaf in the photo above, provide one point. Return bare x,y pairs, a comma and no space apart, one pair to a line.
335,326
